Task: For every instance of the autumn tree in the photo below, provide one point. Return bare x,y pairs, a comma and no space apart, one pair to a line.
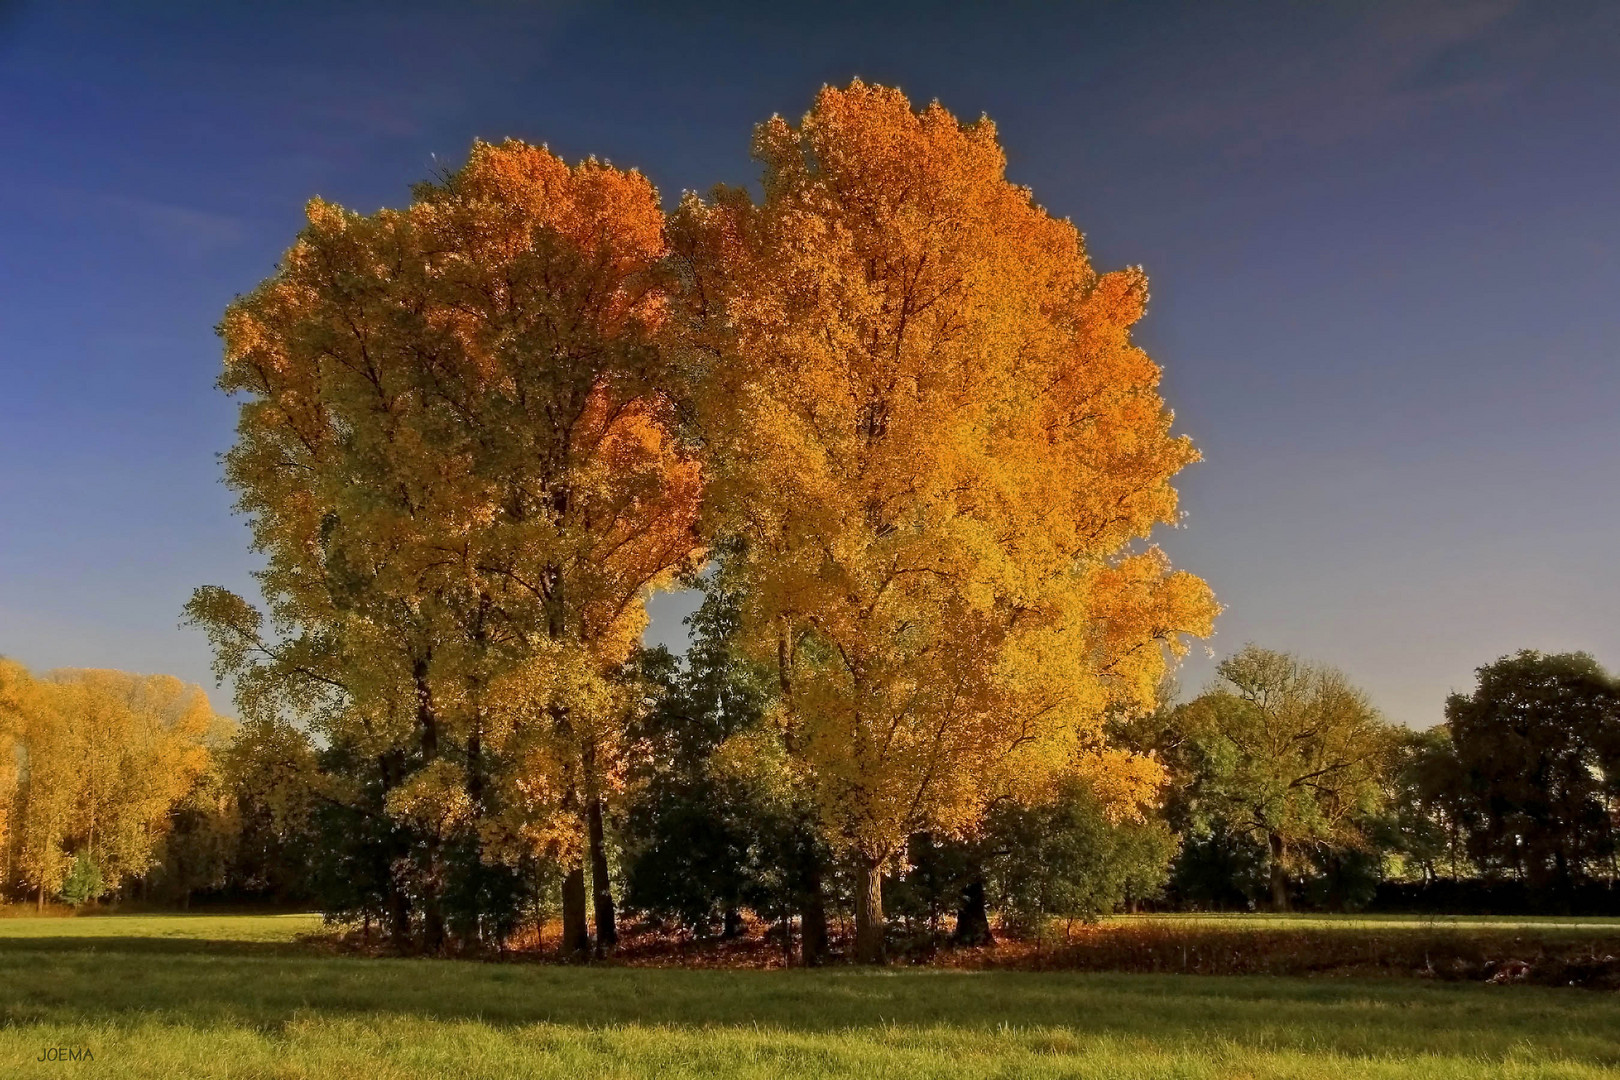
455,452
104,757
47,785
1289,753
141,744
936,448
15,684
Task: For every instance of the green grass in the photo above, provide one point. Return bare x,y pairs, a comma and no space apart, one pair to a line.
238,996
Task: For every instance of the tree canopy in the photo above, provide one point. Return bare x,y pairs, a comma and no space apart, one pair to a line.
937,445
92,764
477,432
454,450
1536,773
1287,752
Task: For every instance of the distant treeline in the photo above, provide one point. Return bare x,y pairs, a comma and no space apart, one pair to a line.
1512,805
1285,789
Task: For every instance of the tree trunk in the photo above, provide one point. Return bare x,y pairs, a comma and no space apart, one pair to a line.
576,937
813,924
607,933
433,927
399,915
41,908
1279,874
973,916
869,911
432,884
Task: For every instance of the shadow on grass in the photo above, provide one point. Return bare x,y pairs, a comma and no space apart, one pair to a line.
265,985
148,946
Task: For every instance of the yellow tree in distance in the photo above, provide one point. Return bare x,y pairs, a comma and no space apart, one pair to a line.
16,693
938,450
455,450
105,757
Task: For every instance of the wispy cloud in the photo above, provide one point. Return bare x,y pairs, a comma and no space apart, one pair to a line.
186,229
1372,69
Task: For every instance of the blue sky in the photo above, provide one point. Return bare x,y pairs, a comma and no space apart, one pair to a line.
1384,242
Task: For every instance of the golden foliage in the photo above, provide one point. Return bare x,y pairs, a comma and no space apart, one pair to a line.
938,444
100,759
455,451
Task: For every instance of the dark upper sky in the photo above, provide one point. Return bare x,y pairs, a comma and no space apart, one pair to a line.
1384,243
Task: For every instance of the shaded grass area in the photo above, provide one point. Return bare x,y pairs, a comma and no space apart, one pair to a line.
1548,951
1556,925
183,996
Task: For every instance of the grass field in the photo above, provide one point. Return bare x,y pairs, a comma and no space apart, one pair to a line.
239,996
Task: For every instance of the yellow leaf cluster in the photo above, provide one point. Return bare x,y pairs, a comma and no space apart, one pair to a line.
937,443
456,449
92,762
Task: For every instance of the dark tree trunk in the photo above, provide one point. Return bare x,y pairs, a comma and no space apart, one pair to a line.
433,928
1279,874
399,915
731,924
607,932
813,928
427,719
433,939
973,916
576,937
869,928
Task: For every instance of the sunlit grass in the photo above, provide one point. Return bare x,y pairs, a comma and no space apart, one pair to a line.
284,929
238,996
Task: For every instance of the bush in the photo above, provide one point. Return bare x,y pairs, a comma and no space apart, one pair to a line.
83,883
1067,860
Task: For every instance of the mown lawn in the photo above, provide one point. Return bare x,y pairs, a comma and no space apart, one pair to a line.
236,996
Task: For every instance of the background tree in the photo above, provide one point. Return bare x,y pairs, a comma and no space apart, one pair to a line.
714,825
1218,865
273,779
83,883
102,760
1289,753
1537,767
198,853
455,453
689,830
140,746
935,443
15,682
1073,857
1430,808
